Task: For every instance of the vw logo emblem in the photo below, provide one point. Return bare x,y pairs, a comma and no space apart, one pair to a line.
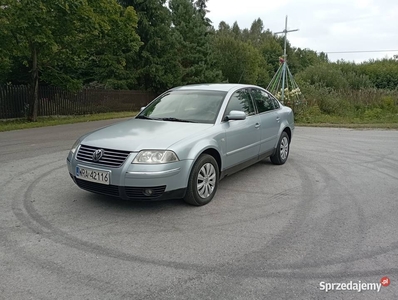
97,155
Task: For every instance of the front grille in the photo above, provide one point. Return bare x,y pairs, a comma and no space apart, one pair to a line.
111,158
111,190
138,192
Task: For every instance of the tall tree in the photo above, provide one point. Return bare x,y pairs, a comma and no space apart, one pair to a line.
194,50
236,31
157,64
224,28
201,6
256,30
114,50
57,39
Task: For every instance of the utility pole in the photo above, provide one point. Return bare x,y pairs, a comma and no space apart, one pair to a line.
284,58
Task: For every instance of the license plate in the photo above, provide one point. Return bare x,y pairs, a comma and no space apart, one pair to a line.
93,175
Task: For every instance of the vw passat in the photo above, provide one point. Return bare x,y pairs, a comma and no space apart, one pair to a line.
183,143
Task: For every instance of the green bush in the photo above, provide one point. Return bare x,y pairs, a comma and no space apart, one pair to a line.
324,75
388,103
373,114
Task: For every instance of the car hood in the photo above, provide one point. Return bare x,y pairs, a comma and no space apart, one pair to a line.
137,134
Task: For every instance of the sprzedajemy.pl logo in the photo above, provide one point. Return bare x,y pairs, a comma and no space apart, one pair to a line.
354,286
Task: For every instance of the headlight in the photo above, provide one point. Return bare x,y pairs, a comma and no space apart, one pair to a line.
74,147
155,157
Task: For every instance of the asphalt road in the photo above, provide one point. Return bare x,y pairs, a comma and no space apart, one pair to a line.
330,214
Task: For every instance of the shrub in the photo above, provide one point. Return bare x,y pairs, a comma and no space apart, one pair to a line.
373,114
388,103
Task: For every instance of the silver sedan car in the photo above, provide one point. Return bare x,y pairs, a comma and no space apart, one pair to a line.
183,143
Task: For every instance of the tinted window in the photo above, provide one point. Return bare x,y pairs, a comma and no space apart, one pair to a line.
263,101
276,102
240,100
193,106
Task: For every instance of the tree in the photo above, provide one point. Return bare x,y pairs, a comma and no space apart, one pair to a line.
324,75
5,52
240,62
201,6
271,51
57,40
236,31
383,73
256,30
194,55
113,54
223,28
157,64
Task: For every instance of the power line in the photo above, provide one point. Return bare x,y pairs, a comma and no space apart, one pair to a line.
359,51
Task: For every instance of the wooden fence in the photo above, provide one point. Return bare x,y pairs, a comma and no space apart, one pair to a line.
14,101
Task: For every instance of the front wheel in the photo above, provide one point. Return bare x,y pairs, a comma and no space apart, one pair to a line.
282,150
203,181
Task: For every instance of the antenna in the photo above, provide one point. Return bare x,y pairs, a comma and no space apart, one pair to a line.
284,58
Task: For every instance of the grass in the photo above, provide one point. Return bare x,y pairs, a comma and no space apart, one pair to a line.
8,125
346,122
371,118
351,125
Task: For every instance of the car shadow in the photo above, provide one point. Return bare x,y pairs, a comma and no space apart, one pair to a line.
115,203
250,170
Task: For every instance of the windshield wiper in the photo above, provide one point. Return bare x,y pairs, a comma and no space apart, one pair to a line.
165,119
176,120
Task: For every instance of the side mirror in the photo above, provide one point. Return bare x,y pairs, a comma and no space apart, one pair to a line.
236,115
142,108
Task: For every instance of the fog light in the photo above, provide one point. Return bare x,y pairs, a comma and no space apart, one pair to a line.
148,192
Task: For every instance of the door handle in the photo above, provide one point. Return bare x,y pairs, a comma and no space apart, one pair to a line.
278,118
257,125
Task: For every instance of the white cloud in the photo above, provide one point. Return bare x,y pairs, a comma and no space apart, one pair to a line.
325,25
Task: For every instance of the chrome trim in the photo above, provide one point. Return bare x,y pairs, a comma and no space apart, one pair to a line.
244,148
110,157
154,174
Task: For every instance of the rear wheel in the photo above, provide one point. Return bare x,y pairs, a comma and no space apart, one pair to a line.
203,181
282,150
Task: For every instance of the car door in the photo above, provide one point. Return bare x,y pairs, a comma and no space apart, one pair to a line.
269,120
242,136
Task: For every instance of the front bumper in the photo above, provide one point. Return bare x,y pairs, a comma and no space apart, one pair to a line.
132,181
130,193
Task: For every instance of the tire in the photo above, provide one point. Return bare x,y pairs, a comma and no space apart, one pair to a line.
282,150
200,192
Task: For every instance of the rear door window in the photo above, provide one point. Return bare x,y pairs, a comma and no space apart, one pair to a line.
263,100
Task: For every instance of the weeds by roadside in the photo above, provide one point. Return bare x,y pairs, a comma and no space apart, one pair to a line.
7,125
370,106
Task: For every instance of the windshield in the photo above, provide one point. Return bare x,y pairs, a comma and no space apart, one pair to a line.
185,106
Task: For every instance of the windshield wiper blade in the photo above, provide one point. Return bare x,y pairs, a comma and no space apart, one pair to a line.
176,120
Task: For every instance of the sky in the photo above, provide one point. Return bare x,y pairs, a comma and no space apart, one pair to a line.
324,25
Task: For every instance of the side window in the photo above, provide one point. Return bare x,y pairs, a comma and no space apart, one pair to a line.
263,101
276,102
240,100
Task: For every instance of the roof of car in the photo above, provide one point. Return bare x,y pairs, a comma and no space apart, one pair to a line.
222,87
